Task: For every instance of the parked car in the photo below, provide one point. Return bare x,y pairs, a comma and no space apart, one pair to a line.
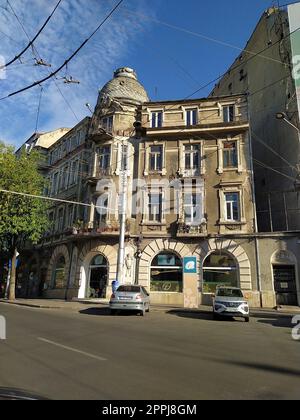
130,298
230,302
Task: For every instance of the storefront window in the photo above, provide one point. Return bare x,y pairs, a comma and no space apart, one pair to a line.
59,274
219,269
166,273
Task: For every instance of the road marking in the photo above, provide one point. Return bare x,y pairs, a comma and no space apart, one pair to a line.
101,359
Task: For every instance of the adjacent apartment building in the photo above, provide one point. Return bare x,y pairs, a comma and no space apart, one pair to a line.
185,168
268,72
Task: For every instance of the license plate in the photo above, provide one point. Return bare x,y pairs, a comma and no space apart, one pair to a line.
125,298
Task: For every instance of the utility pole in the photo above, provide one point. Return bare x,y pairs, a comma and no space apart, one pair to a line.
122,212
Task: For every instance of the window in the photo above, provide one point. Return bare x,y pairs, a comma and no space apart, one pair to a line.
155,207
228,113
166,273
107,124
70,215
192,208
54,183
104,157
230,155
59,276
156,158
60,220
66,177
101,210
219,269
192,157
232,207
156,119
191,117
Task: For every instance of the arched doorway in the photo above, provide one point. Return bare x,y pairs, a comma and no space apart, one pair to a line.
166,273
219,268
98,272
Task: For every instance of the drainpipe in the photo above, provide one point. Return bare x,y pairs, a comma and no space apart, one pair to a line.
256,242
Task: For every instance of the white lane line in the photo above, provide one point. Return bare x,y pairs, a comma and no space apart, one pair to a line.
101,359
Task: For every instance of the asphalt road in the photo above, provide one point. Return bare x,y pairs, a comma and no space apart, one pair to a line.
61,354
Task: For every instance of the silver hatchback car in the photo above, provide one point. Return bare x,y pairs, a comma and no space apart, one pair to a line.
230,302
130,298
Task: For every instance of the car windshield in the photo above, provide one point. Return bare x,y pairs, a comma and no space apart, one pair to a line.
230,293
130,289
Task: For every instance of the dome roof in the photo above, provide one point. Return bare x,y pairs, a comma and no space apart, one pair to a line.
125,88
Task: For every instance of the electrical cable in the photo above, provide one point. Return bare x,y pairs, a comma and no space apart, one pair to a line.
68,59
33,39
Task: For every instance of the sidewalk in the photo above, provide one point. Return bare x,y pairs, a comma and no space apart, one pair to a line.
78,304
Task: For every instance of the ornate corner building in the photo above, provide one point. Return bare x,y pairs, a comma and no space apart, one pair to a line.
185,169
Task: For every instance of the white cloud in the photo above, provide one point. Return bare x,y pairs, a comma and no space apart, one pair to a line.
93,66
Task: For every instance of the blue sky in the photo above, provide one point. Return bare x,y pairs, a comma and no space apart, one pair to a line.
170,62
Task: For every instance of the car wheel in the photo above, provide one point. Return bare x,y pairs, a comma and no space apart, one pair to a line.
142,313
216,316
148,309
247,319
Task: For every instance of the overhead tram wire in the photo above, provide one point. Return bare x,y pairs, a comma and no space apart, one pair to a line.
205,37
68,59
38,56
31,42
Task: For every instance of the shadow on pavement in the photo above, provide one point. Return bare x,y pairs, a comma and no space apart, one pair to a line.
105,312
276,320
202,315
262,367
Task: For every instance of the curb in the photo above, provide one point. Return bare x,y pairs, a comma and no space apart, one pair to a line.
255,312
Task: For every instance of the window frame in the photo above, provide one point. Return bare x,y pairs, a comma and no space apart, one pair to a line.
155,121
192,115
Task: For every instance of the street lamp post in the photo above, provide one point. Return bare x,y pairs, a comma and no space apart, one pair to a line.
122,213
283,117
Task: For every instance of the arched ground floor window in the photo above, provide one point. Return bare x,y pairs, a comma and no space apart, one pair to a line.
59,275
219,269
166,273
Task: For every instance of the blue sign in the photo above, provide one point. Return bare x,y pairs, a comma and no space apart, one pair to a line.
190,265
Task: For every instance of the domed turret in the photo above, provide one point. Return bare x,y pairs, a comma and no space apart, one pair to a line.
124,88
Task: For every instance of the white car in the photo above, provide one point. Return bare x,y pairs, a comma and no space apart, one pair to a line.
230,302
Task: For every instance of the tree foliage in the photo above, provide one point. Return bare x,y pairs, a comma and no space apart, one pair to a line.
22,219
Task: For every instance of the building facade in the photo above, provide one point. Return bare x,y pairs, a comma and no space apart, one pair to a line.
185,169
267,72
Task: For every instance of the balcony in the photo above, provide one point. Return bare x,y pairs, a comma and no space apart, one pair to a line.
187,230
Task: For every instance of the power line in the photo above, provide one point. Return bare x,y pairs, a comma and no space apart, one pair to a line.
197,34
34,38
68,59
274,170
41,197
231,69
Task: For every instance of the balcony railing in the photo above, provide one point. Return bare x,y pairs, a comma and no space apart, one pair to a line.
185,229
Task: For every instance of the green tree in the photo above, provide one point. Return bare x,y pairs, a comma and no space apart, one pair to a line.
22,219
